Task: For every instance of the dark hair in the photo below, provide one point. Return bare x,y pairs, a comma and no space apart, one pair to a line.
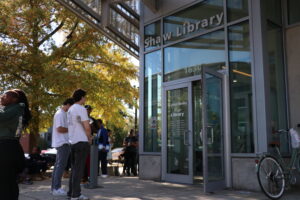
100,120
27,114
68,101
12,93
78,94
131,131
88,107
108,130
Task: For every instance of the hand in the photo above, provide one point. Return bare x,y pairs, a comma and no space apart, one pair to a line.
90,138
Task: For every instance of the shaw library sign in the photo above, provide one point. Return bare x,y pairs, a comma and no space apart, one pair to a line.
185,29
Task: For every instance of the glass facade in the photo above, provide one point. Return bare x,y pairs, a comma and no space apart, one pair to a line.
240,88
277,97
152,102
152,36
236,9
198,18
187,58
276,73
293,11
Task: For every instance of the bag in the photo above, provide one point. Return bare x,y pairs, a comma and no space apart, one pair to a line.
295,139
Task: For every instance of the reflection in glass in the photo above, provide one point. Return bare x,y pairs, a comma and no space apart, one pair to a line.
273,10
277,83
197,127
293,11
123,26
203,16
214,135
152,36
242,140
134,5
177,125
94,4
187,58
152,102
237,9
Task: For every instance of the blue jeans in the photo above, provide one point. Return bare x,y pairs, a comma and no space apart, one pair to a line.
61,161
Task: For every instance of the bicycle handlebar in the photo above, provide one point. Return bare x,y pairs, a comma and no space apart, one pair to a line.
281,131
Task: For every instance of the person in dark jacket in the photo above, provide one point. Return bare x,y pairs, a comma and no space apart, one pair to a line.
103,147
11,152
130,154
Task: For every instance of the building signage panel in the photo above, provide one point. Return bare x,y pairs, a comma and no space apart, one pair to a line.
187,28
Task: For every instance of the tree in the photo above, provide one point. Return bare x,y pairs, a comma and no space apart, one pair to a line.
30,59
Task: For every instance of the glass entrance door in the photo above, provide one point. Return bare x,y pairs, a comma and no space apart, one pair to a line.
178,138
213,147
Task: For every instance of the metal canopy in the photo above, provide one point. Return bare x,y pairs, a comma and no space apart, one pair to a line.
118,20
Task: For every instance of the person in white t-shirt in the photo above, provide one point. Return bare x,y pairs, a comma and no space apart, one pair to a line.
80,138
60,141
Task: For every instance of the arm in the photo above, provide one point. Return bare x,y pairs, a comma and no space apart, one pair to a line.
87,128
125,143
62,130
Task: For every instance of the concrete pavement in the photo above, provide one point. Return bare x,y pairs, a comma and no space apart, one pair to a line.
132,188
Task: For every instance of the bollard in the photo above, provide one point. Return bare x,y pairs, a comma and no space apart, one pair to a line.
93,181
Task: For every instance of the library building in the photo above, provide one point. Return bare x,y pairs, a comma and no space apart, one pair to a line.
217,79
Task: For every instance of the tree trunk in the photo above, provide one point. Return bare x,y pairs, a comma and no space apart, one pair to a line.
34,126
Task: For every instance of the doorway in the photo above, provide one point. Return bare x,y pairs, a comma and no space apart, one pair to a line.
193,150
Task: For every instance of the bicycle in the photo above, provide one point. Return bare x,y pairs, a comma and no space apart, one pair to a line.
274,174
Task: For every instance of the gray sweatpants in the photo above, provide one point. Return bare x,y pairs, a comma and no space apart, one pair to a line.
61,161
79,152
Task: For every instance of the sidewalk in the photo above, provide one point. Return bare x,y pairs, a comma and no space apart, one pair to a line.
132,188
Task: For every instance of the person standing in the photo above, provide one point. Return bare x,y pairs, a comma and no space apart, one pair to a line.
11,152
94,129
130,154
60,141
103,148
93,122
80,138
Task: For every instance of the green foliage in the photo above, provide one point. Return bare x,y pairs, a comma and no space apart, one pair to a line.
30,59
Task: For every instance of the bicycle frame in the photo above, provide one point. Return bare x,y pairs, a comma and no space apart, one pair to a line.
287,167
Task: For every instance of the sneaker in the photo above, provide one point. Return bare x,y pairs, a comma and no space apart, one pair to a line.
81,197
104,175
59,192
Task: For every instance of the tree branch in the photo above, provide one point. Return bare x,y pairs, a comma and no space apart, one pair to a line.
61,64
52,33
70,34
22,79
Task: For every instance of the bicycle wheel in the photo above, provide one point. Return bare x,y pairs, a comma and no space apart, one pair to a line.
271,178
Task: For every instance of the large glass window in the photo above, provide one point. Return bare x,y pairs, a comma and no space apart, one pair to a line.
152,102
293,11
201,17
276,73
187,58
273,10
277,83
152,36
241,88
236,9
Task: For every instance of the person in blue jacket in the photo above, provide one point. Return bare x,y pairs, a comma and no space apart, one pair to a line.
103,147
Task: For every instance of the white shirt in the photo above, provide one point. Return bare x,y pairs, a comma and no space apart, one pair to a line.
76,115
59,120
